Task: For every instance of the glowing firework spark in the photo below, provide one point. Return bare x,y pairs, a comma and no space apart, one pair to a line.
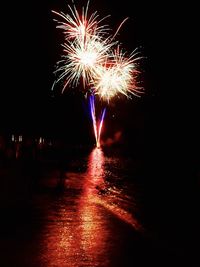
81,60
76,26
117,76
86,46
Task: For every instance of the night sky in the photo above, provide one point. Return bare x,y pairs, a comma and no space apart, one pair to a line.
31,46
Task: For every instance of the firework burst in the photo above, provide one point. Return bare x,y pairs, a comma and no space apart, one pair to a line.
81,60
77,26
117,76
89,54
87,45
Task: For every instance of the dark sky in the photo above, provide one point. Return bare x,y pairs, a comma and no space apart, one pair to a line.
31,46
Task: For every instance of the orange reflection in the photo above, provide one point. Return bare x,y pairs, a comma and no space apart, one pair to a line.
71,236
96,180
78,228
95,172
93,218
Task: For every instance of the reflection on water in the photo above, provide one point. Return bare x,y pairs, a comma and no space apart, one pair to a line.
109,196
77,229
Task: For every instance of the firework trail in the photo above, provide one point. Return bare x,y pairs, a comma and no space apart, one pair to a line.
93,115
100,127
96,126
